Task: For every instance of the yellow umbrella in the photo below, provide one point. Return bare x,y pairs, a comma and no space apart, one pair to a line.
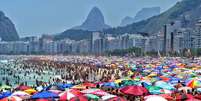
30,91
118,81
79,86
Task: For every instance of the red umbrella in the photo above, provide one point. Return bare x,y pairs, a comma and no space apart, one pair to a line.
198,97
167,96
67,95
22,88
134,90
42,100
89,85
117,99
79,98
184,97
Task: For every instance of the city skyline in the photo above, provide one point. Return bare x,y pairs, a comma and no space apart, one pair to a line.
50,17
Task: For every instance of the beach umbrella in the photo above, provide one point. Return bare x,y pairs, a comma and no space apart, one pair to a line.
100,93
116,99
70,93
12,98
194,83
154,98
106,97
23,87
79,98
42,100
30,91
92,97
55,91
110,84
63,86
20,93
89,85
164,85
154,89
44,95
167,96
5,94
79,87
134,90
87,91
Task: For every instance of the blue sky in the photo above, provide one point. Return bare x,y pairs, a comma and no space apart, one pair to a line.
36,17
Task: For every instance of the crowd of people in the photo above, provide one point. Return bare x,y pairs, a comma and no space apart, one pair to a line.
129,79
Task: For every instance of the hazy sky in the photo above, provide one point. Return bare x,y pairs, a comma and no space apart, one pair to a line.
36,17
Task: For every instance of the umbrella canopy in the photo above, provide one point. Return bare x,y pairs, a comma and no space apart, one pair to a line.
30,91
79,87
110,84
20,93
87,91
92,97
44,94
89,85
67,95
79,98
167,96
55,91
164,85
63,86
134,90
100,93
11,98
194,83
106,97
23,87
5,94
154,98
116,99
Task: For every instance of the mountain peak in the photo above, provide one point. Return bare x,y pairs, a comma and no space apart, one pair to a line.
7,29
94,22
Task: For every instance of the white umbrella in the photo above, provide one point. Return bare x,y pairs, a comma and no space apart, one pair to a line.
87,91
106,97
154,98
20,93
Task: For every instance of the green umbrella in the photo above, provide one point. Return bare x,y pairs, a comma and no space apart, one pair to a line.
92,97
154,89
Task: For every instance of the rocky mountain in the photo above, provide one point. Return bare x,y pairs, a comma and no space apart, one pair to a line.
146,13
94,22
7,29
127,20
143,14
187,11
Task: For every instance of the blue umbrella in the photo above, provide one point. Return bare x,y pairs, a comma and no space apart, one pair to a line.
110,84
44,94
63,86
174,80
5,94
